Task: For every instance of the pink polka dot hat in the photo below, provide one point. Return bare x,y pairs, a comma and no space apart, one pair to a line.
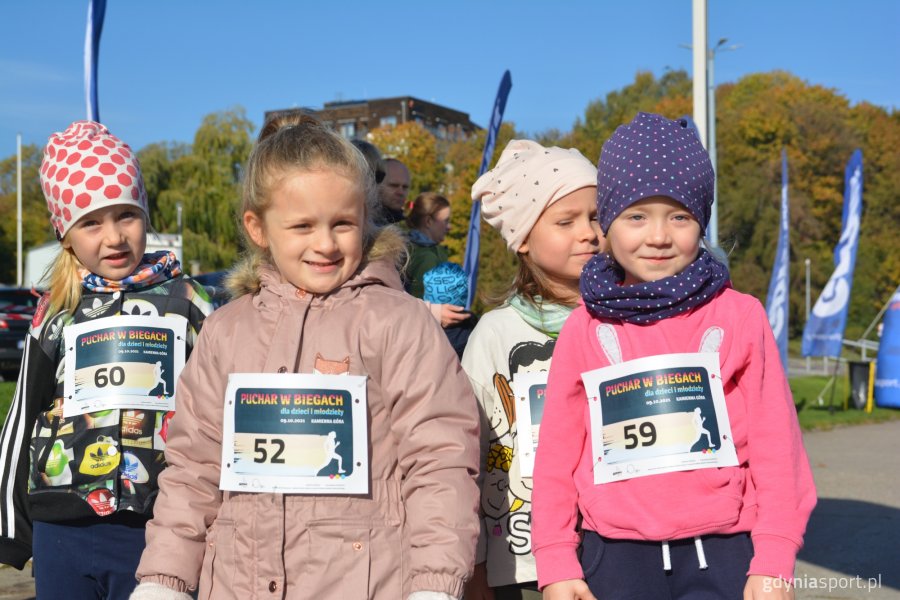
85,168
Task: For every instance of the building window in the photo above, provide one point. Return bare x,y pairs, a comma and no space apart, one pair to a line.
348,130
388,121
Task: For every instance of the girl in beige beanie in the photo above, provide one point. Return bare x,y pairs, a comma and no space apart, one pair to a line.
543,203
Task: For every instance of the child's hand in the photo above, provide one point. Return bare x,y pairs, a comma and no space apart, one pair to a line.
761,587
451,315
569,589
477,588
156,591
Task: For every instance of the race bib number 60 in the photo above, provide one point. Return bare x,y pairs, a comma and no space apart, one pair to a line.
123,362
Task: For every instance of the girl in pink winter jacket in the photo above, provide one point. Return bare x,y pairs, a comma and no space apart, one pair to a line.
325,444
669,425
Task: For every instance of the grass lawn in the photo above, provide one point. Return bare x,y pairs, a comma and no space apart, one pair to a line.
813,415
7,389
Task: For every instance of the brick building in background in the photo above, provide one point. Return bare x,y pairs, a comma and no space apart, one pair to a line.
356,118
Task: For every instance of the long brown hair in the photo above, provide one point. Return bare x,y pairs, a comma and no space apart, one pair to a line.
532,283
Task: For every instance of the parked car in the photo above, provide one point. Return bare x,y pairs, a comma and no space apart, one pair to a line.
17,307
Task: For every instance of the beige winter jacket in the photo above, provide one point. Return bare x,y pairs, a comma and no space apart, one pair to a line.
417,528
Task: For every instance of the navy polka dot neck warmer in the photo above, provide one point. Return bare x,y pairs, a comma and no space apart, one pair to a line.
643,303
654,156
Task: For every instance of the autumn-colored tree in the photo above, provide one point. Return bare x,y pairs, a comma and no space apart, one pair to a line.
669,95
757,117
496,264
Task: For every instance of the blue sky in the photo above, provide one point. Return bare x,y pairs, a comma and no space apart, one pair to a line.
165,64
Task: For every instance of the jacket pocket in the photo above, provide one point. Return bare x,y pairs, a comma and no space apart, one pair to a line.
217,573
342,557
728,481
592,546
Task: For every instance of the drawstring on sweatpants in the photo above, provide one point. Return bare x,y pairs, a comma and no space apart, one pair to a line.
701,556
698,545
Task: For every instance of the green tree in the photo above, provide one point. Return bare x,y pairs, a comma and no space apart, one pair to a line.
206,182
156,168
36,228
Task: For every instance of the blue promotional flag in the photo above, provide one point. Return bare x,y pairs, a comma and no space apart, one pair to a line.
96,12
777,300
887,367
824,330
473,239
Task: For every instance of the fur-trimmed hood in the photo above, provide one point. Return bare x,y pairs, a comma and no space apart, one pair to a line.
382,261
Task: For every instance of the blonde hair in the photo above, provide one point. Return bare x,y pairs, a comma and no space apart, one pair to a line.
64,280
295,142
426,204
63,275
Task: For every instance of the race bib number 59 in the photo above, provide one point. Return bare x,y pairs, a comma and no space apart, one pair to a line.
657,415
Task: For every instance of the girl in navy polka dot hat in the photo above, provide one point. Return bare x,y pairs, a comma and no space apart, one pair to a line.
688,470
78,477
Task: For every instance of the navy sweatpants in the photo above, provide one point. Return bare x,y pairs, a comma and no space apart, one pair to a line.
81,562
633,570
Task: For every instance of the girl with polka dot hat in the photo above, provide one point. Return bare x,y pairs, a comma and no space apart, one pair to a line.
653,480
542,201
76,490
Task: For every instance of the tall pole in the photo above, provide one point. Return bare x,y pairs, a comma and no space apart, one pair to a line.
178,209
806,262
19,209
699,75
713,233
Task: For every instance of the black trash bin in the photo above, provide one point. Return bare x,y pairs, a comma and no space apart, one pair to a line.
860,383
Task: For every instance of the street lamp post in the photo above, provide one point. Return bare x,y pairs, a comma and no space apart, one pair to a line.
178,210
711,115
806,262
705,120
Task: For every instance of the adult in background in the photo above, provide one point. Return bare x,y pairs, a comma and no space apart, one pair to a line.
429,224
373,157
393,191
428,274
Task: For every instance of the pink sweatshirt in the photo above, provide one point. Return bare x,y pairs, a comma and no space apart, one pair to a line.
769,494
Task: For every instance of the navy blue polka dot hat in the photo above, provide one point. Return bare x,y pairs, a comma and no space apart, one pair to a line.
654,156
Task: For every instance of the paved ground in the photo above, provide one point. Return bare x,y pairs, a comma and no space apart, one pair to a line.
855,529
853,540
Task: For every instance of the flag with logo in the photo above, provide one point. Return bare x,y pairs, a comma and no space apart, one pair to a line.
824,330
777,299
473,239
96,12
